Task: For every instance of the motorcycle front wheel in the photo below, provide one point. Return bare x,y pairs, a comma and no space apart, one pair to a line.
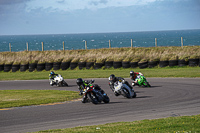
92,98
59,84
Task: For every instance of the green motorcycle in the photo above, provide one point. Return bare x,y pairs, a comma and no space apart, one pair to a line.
141,81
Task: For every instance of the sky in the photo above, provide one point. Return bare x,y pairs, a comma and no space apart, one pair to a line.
28,17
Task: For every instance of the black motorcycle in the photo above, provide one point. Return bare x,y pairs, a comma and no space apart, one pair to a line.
94,93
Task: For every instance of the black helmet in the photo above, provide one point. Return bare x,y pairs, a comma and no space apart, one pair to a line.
112,78
52,72
131,73
79,81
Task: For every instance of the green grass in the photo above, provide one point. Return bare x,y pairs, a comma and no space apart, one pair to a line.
184,124
100,73
19,98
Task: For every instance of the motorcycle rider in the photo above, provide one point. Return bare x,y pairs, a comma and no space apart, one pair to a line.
81,86
112,79
134,76
51,77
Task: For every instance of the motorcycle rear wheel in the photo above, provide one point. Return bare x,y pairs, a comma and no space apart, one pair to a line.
148,84
65,83
134,96
126,93
106,99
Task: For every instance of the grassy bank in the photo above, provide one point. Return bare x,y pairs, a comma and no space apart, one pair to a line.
19,98
178,124
139,54
101,73
184,124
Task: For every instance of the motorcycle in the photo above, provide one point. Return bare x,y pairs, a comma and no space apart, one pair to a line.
123,89
94,93
141,81
58,81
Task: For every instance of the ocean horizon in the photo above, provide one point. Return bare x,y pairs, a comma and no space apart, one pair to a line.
99,40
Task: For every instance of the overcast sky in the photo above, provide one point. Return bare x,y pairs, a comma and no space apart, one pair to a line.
22,17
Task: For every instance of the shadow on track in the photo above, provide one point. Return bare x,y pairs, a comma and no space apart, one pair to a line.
143,96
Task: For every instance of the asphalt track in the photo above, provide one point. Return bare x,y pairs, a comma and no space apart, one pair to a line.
168,97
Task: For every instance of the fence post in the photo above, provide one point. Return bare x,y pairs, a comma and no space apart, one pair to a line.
182,41
131,43
63,45
109,44
27,46
10,47
155,42
42,46
86,45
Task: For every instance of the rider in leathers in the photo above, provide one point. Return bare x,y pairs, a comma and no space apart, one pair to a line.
81,86
134,76
52,75
113,79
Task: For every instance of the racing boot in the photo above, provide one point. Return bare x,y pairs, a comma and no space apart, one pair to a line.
84,99
81,92
116,94
51,83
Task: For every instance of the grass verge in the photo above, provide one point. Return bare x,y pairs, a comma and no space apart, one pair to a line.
184,124
19,98
104,73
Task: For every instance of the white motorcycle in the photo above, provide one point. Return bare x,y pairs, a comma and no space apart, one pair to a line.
58,81
123,89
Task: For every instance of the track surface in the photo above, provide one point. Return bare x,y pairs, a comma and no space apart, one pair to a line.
168,97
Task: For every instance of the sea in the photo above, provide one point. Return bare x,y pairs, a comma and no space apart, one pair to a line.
17,43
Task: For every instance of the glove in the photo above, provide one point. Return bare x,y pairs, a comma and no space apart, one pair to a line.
140,74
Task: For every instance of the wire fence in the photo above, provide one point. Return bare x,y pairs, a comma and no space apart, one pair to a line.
92,45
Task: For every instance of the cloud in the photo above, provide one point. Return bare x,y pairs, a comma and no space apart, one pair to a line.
71,5
61,1
12,2
86,16
66,5
98,2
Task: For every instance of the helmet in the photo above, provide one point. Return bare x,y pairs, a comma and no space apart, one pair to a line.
79,81
52,73
112,78
131,73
